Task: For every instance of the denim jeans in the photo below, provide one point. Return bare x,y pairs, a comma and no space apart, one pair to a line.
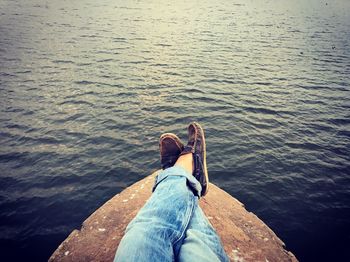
171,226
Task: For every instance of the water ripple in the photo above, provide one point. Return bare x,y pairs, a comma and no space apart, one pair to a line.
87,88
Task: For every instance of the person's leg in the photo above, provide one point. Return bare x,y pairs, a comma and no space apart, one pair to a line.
156,233
171,219
201,241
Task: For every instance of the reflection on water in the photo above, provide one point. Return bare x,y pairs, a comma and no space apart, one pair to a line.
88,87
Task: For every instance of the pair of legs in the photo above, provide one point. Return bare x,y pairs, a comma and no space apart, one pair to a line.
171,226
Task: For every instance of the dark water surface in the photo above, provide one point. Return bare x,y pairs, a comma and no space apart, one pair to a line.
87,87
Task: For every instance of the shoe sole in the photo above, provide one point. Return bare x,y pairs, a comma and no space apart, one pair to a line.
205,171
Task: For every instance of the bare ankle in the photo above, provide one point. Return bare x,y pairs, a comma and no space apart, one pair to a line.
186,162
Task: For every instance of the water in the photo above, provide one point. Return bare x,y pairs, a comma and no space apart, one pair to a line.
87,87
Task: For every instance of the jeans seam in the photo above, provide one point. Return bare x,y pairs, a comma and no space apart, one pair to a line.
185,225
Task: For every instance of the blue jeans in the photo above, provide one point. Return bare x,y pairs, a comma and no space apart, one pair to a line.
171,226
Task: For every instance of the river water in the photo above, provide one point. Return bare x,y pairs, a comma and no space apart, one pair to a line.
87,87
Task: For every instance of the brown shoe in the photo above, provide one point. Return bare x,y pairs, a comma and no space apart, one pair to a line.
196,146
170,147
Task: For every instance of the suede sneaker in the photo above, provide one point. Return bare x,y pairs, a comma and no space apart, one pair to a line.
196,146
170,147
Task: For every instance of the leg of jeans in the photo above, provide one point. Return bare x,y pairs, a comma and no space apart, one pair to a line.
156,233
201,242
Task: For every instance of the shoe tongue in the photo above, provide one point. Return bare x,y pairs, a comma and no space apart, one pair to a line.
187,149
190,143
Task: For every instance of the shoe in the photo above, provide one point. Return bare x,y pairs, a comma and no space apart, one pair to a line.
196,146
170,147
